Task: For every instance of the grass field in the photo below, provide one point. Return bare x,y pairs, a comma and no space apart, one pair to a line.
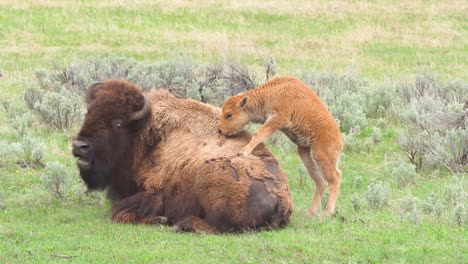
374,39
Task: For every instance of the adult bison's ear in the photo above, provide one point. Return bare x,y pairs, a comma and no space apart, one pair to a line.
243,102
91,92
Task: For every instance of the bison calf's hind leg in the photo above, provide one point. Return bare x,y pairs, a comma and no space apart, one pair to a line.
315,174
141,208
332,175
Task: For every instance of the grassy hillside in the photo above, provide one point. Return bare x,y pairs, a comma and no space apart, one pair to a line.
375,40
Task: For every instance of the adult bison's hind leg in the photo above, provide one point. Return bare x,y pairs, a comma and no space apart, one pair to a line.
140,208
194,224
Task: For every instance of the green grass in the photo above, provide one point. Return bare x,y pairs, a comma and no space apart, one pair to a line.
376,39
38,228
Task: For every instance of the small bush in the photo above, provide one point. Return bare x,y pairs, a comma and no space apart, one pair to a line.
21,124
14,109
358,182
435,119
351,143
271,68
381,123
56,96
19,117
216,82
178,76
344,96
409,210
433,205
376,135
238,78
413,144
381,100
29,151
356,202
377,196
354,144
404,174
450,150
461,214
56,178
3,204
60,110
5,149
455,193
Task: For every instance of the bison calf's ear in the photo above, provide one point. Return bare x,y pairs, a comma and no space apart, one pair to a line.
243,102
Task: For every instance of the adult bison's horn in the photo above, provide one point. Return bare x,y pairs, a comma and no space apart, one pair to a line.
143,112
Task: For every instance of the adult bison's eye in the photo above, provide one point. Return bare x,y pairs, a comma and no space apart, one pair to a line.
117,123
228,115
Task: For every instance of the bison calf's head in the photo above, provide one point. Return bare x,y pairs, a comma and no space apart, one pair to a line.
117,111
233,117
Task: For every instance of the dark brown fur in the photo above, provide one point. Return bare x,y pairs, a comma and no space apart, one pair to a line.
170,167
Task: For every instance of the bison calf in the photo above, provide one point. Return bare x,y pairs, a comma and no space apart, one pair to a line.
287,104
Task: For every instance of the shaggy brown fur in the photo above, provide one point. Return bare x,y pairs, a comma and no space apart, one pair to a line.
289,105
171,166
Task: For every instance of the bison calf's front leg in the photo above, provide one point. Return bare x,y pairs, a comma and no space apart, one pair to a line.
270,126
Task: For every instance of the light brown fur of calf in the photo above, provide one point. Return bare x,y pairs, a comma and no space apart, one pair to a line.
289,105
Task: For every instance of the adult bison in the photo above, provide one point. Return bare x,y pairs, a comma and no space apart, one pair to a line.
161,160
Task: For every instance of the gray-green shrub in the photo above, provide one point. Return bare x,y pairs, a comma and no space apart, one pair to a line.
404,174
381,100
455,193
14,108
344,96
376,135
30,150
381,123
56,96
18,115
358,182
435,119
3,204
60,109
5,151
352,143
408,209
433,205
377,196
356,202
56,178
21,124
413,143
271,67
461,214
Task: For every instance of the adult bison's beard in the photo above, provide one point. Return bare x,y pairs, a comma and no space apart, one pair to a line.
93,178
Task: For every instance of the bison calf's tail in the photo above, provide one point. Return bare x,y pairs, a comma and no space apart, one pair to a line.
141,208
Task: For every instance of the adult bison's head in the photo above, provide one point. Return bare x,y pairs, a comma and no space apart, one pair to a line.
117,110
